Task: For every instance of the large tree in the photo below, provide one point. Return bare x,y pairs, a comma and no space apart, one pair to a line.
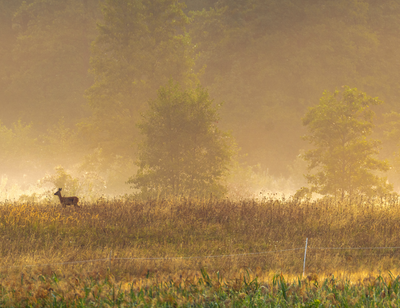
183,152
344,157
141,44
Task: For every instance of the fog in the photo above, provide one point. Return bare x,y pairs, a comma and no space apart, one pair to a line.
74,80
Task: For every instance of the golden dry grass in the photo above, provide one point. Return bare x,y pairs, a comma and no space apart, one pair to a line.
45,235
48,234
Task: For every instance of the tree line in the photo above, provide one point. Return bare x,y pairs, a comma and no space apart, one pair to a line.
77,75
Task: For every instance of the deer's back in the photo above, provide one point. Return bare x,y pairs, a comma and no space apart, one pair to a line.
70,201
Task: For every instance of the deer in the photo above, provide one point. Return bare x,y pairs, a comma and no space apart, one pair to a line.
67,200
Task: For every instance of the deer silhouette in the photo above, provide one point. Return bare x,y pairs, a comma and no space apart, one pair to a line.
67,200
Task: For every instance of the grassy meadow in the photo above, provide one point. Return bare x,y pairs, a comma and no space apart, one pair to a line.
153,253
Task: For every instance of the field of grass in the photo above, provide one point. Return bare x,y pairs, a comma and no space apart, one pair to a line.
153,253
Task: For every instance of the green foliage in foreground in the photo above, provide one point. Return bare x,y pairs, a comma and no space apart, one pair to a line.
55,291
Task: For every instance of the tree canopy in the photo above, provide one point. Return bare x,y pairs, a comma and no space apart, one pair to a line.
140,45
344,158
183,152
94,64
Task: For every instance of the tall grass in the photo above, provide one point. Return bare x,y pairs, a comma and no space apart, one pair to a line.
45,234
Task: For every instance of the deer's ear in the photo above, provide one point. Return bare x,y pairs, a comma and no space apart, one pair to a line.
59,189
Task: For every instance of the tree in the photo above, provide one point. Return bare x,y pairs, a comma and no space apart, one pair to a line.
141,44
344,158
183,152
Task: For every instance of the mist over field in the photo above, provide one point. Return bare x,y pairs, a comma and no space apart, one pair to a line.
77,76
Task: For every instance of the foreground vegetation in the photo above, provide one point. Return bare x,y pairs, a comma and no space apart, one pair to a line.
76,290
154,252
